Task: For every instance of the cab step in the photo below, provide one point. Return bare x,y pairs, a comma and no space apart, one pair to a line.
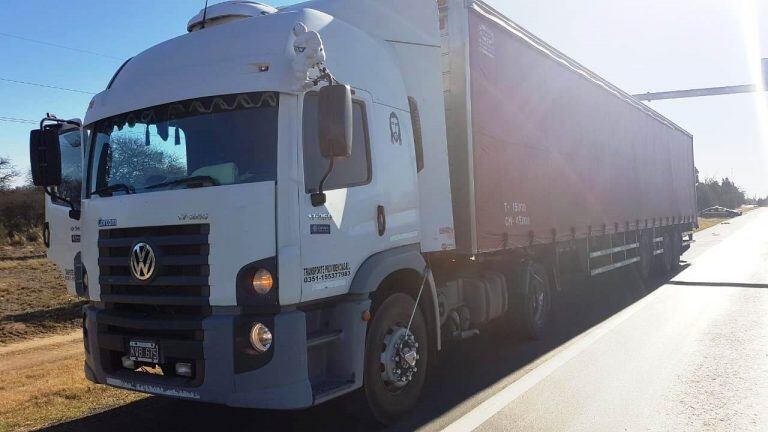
330,389
323,337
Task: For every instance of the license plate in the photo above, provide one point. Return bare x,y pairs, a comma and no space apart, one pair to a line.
144,351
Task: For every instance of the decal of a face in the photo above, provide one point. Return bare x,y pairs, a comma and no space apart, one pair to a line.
394,129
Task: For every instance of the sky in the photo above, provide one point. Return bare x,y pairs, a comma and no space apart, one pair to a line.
653,45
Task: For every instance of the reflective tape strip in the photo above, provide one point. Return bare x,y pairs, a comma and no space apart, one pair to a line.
614,266
613,250
656,252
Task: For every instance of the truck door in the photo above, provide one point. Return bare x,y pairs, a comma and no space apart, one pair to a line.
62,233
372,197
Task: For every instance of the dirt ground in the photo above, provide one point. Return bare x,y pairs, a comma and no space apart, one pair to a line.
22,252
42,383
33,296
41,351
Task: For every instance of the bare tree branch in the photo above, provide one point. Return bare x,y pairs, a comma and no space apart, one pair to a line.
7,173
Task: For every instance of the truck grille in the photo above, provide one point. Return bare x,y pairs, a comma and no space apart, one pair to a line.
168,308
180,284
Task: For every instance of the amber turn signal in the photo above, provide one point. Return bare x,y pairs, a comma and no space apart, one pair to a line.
262,281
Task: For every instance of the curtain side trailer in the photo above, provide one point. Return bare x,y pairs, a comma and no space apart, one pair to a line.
541,148
555,173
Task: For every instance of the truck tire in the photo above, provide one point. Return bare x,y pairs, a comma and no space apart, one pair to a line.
536,304
395,359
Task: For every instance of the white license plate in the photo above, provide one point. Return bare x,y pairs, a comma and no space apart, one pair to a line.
144,351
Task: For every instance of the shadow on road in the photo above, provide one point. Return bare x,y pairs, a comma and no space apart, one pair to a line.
720,284
68,312
464,370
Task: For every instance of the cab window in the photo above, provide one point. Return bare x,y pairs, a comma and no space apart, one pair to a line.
350,172
71,168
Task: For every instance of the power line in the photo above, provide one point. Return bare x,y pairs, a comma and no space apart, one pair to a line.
61,46
46,86
17,120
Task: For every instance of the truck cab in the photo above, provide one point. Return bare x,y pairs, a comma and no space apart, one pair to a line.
220,246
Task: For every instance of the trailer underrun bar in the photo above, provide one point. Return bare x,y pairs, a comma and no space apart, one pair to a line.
610,251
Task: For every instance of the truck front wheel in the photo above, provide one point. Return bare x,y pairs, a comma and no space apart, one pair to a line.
395,358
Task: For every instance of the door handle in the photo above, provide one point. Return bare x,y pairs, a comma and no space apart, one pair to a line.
381,220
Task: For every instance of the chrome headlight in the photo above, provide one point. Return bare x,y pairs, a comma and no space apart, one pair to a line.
261,337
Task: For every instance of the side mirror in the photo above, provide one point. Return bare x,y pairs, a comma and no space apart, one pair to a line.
45,157
335,121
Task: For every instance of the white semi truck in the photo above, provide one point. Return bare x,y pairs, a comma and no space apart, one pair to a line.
284,206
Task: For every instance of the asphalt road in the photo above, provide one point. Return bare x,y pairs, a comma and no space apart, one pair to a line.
686,354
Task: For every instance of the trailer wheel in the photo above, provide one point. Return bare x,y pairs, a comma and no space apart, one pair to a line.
395,359
536,303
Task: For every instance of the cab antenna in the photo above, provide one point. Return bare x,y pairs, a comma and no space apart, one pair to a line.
205,12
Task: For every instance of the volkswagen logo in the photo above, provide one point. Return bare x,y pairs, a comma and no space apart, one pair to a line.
142,261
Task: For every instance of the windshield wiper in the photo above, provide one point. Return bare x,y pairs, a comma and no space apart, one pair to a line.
114,188
202,180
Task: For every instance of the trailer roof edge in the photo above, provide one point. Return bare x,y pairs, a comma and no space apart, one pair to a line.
483,8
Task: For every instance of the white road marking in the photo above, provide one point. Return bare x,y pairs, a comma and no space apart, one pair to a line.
500,400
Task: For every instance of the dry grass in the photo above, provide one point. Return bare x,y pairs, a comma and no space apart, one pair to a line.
46,386
705,223
29,250
33,297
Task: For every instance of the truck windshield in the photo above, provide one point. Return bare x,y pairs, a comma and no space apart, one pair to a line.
202,142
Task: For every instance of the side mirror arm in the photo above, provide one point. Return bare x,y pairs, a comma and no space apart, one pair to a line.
318,198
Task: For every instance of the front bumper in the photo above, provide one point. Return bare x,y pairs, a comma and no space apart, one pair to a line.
290,379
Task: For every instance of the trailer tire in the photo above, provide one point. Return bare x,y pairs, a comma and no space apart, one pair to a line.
386,399
537,303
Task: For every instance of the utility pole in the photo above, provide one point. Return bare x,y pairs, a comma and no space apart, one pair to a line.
711,91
